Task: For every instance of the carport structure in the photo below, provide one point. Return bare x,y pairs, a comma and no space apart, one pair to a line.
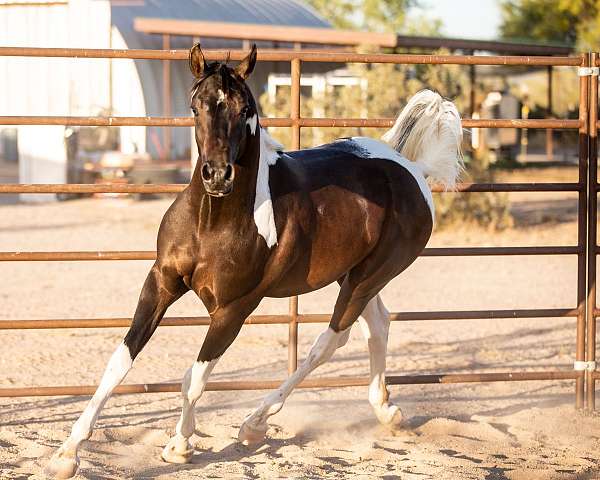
305,38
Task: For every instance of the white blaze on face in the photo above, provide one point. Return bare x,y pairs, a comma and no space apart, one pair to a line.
221,96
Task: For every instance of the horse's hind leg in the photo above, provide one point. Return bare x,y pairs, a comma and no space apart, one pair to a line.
375,324
351,302
159,291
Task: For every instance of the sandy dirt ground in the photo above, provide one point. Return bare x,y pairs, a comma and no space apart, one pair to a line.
519,430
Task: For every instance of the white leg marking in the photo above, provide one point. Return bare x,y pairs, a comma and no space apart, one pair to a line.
179,450
65,461
375,325
254,427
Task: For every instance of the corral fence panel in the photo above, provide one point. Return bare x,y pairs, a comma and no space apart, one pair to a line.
584,311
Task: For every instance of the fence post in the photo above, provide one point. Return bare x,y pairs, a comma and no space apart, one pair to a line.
295,116
293,336
592,239
582,230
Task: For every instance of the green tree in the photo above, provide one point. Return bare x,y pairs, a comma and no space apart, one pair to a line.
570,22
373,15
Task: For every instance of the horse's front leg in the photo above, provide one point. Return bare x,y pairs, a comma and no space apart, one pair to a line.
160,290
222,331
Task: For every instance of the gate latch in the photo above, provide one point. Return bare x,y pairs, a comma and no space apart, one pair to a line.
584,366
588,71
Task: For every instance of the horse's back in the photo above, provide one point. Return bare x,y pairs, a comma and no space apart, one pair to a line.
358,156
348,207
371,171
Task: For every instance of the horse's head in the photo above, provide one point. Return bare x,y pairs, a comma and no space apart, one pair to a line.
225,116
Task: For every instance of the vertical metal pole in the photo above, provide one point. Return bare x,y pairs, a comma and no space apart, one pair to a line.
110,70
293,336
472,80
295,107
549,139
295,116
592,238
582,229
167,95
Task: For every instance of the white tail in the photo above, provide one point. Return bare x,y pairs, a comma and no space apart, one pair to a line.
428,131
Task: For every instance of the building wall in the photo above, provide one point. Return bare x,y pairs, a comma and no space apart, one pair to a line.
127,97
52,86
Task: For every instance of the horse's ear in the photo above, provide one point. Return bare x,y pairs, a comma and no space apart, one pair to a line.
197,62
244,69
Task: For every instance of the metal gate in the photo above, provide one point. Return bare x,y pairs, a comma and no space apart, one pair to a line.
584,309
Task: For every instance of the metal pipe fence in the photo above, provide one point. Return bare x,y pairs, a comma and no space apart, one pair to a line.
584,250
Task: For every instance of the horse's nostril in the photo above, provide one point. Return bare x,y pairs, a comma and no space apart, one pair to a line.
229,172
206,172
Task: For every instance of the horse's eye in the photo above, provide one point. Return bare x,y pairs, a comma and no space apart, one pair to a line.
194,111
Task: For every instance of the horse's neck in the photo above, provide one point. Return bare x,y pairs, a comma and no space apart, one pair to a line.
239,204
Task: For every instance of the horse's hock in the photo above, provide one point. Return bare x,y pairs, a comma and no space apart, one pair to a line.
584,311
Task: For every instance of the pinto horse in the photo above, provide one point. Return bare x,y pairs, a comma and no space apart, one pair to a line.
258,222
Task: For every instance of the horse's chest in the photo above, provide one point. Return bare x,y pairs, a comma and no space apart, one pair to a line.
224,273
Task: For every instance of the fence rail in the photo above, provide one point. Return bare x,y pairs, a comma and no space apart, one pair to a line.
304,56
555,124
300,318
151,255
309,383
585,249
176,188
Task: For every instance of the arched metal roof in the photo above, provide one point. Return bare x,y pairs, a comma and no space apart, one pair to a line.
268,12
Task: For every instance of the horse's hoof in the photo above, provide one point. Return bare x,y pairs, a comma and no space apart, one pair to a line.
251,434
389,415
62,465
178,450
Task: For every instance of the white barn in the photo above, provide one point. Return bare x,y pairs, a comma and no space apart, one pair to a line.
121,87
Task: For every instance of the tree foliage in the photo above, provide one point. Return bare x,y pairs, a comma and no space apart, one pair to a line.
373,15
571,22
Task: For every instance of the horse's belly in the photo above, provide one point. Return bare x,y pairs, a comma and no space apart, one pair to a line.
344,233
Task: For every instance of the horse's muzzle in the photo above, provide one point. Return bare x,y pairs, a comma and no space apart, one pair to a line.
218,181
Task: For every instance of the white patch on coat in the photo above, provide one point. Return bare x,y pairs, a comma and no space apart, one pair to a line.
264,216
252,122
372,148
221,96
